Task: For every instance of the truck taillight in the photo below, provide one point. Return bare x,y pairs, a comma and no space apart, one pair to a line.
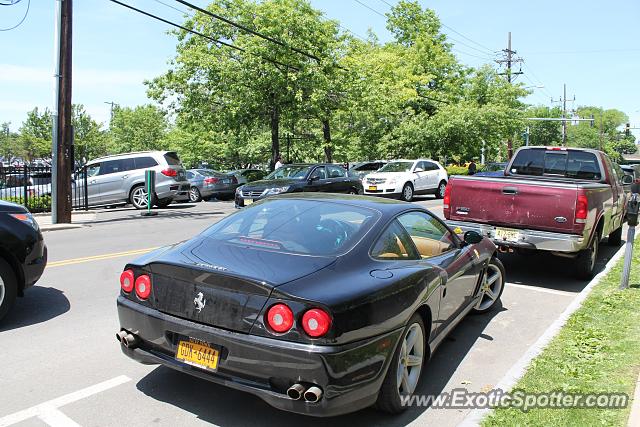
446,205
582,209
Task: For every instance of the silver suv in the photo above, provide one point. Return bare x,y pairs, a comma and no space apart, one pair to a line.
120,179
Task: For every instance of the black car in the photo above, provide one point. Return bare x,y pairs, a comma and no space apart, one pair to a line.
319,304
294,178
23,254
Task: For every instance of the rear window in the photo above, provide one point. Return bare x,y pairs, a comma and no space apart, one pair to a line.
145,162
296,226
172,159
562,163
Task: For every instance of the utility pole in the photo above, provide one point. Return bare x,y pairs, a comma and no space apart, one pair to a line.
563,101
62,130
113,105
510,59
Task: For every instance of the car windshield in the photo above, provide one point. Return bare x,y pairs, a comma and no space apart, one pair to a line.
396,167
310,227
289,172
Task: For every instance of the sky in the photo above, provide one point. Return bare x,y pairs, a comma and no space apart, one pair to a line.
591,46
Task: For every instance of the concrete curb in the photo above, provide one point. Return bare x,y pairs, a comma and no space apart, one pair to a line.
55,227
517,371
634,417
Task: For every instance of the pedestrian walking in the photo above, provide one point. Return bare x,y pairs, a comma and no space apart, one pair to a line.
472,168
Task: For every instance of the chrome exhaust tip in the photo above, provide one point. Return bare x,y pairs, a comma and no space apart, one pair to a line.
296,391
130,341
313,395
120,335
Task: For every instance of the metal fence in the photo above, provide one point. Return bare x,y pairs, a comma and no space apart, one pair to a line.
31,186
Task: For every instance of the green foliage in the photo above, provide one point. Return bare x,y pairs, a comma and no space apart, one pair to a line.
35,135
457,170
544,132
34,204
137,129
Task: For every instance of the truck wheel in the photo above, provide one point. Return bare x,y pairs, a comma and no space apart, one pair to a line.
586,260
491,287
407,192
405,368
8,288
615,238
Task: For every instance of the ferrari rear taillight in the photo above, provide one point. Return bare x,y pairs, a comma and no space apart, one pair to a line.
316,322
211,180
280,318
169,172
446,205
127,280
143,286
582,208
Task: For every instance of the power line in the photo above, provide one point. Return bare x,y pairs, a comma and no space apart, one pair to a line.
248,30
486,58
23,18
9,2
217,41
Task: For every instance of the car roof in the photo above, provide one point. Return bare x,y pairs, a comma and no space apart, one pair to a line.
133,154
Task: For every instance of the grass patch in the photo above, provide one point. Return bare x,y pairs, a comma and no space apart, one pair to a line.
597,351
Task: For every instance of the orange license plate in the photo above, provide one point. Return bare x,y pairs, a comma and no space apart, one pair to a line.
373,188
198,354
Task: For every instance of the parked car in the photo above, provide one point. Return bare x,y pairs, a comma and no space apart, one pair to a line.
36,182
23,253
293,178
120,179
362,169
561,200
492,169
248,175
207,183
320,304
405,178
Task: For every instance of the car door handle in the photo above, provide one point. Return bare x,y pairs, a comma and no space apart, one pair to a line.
510,190
92,181
125,177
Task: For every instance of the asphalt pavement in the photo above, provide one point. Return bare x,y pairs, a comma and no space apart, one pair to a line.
61,364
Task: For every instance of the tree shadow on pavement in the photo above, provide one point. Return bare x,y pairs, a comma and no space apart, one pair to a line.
223,406
541,269
38,305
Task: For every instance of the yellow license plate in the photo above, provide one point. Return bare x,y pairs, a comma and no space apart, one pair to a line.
197,354
247,202
373,188
507,235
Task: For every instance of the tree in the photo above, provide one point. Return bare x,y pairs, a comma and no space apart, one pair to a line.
137,129
544,132
35,134
90,140
9,142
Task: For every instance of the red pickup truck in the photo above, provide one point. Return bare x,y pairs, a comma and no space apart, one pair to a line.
561,200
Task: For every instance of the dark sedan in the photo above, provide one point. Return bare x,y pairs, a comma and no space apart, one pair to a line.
207,183
23,254
326,178
319,304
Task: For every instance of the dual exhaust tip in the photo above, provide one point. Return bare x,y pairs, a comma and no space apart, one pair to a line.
298,391
127,339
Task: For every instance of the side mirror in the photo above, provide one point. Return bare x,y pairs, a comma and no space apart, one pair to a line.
627,180
472,237
418,170
312,179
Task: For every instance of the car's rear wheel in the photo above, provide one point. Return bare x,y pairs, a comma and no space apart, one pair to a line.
8,288
615,238
586,260
407,192
138,197
442,187
194,195
491,288
354,191
404,371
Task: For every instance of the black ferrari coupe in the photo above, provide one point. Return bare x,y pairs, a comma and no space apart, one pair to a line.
320,304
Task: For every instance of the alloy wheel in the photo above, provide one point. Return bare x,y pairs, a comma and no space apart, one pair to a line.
410,360
194,195
593,256
491,287
441,190
407,193
139,198
2,291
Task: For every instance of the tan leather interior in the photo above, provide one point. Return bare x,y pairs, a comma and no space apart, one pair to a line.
430,247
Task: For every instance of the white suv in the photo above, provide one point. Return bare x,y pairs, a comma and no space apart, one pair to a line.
406,178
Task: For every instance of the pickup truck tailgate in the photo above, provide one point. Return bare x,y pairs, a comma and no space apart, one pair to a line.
515,203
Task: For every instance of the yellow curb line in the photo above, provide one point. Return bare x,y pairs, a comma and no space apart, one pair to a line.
99,257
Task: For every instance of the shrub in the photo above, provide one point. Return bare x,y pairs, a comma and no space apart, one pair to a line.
34,204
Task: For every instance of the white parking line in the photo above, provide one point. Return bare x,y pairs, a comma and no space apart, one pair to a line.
544,290
48,411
